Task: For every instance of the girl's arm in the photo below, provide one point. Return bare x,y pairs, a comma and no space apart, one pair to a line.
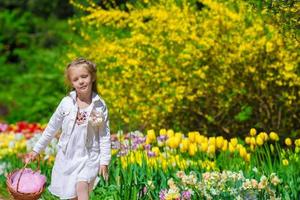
105,143
53,125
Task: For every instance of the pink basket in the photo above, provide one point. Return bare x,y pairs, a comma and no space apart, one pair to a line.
25,184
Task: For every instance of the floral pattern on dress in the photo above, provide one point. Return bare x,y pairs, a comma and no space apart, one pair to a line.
81,117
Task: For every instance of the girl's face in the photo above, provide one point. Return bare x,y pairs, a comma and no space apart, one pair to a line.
81,79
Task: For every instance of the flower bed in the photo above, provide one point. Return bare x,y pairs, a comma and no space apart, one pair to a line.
172,165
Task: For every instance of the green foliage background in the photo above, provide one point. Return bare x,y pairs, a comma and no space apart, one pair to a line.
33,39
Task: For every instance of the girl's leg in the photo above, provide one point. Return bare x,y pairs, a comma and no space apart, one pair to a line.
91,185
82,189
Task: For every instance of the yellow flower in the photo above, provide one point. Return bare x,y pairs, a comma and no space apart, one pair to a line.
248,140
285,162
252,141
114,151
170,133
191,136
233,142
212,141
239,146
274,136
259,140
173,195
162,132
179,136
184,146
253,132
173,142
297,143
211,149
151,136
225,145
156,150
204,146
269,47
164,164
219,142
264,136
243,152
192,149
231,147
288,141
248,157
198,138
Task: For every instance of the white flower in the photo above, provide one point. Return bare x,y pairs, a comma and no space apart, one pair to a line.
4,167
11,144
19,136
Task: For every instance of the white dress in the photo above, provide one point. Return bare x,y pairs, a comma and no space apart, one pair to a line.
81,160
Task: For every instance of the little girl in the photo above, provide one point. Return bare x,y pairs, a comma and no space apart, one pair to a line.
84,147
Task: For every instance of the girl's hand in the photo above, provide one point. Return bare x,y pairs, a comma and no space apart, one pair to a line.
31,156
103,171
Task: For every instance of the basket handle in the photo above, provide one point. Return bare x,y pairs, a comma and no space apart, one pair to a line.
39,165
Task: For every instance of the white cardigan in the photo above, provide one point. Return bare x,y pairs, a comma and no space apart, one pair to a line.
64,117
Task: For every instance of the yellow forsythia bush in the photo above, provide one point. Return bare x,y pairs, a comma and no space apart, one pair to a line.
212,66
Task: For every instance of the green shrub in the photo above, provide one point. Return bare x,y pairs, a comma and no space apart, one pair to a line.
219,67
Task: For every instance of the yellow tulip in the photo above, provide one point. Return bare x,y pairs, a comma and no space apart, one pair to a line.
239,146
211,149
179,136
162,132
248,157
192,149
248,140
219,142
297,143
288,141
274,136
252,141
265,136
259,140
184,146
170,133
191,136
151,136
243,152
173,142
253,132
233,142
204,146
156,150
212,141
231,147
225,145
198,138
164,164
